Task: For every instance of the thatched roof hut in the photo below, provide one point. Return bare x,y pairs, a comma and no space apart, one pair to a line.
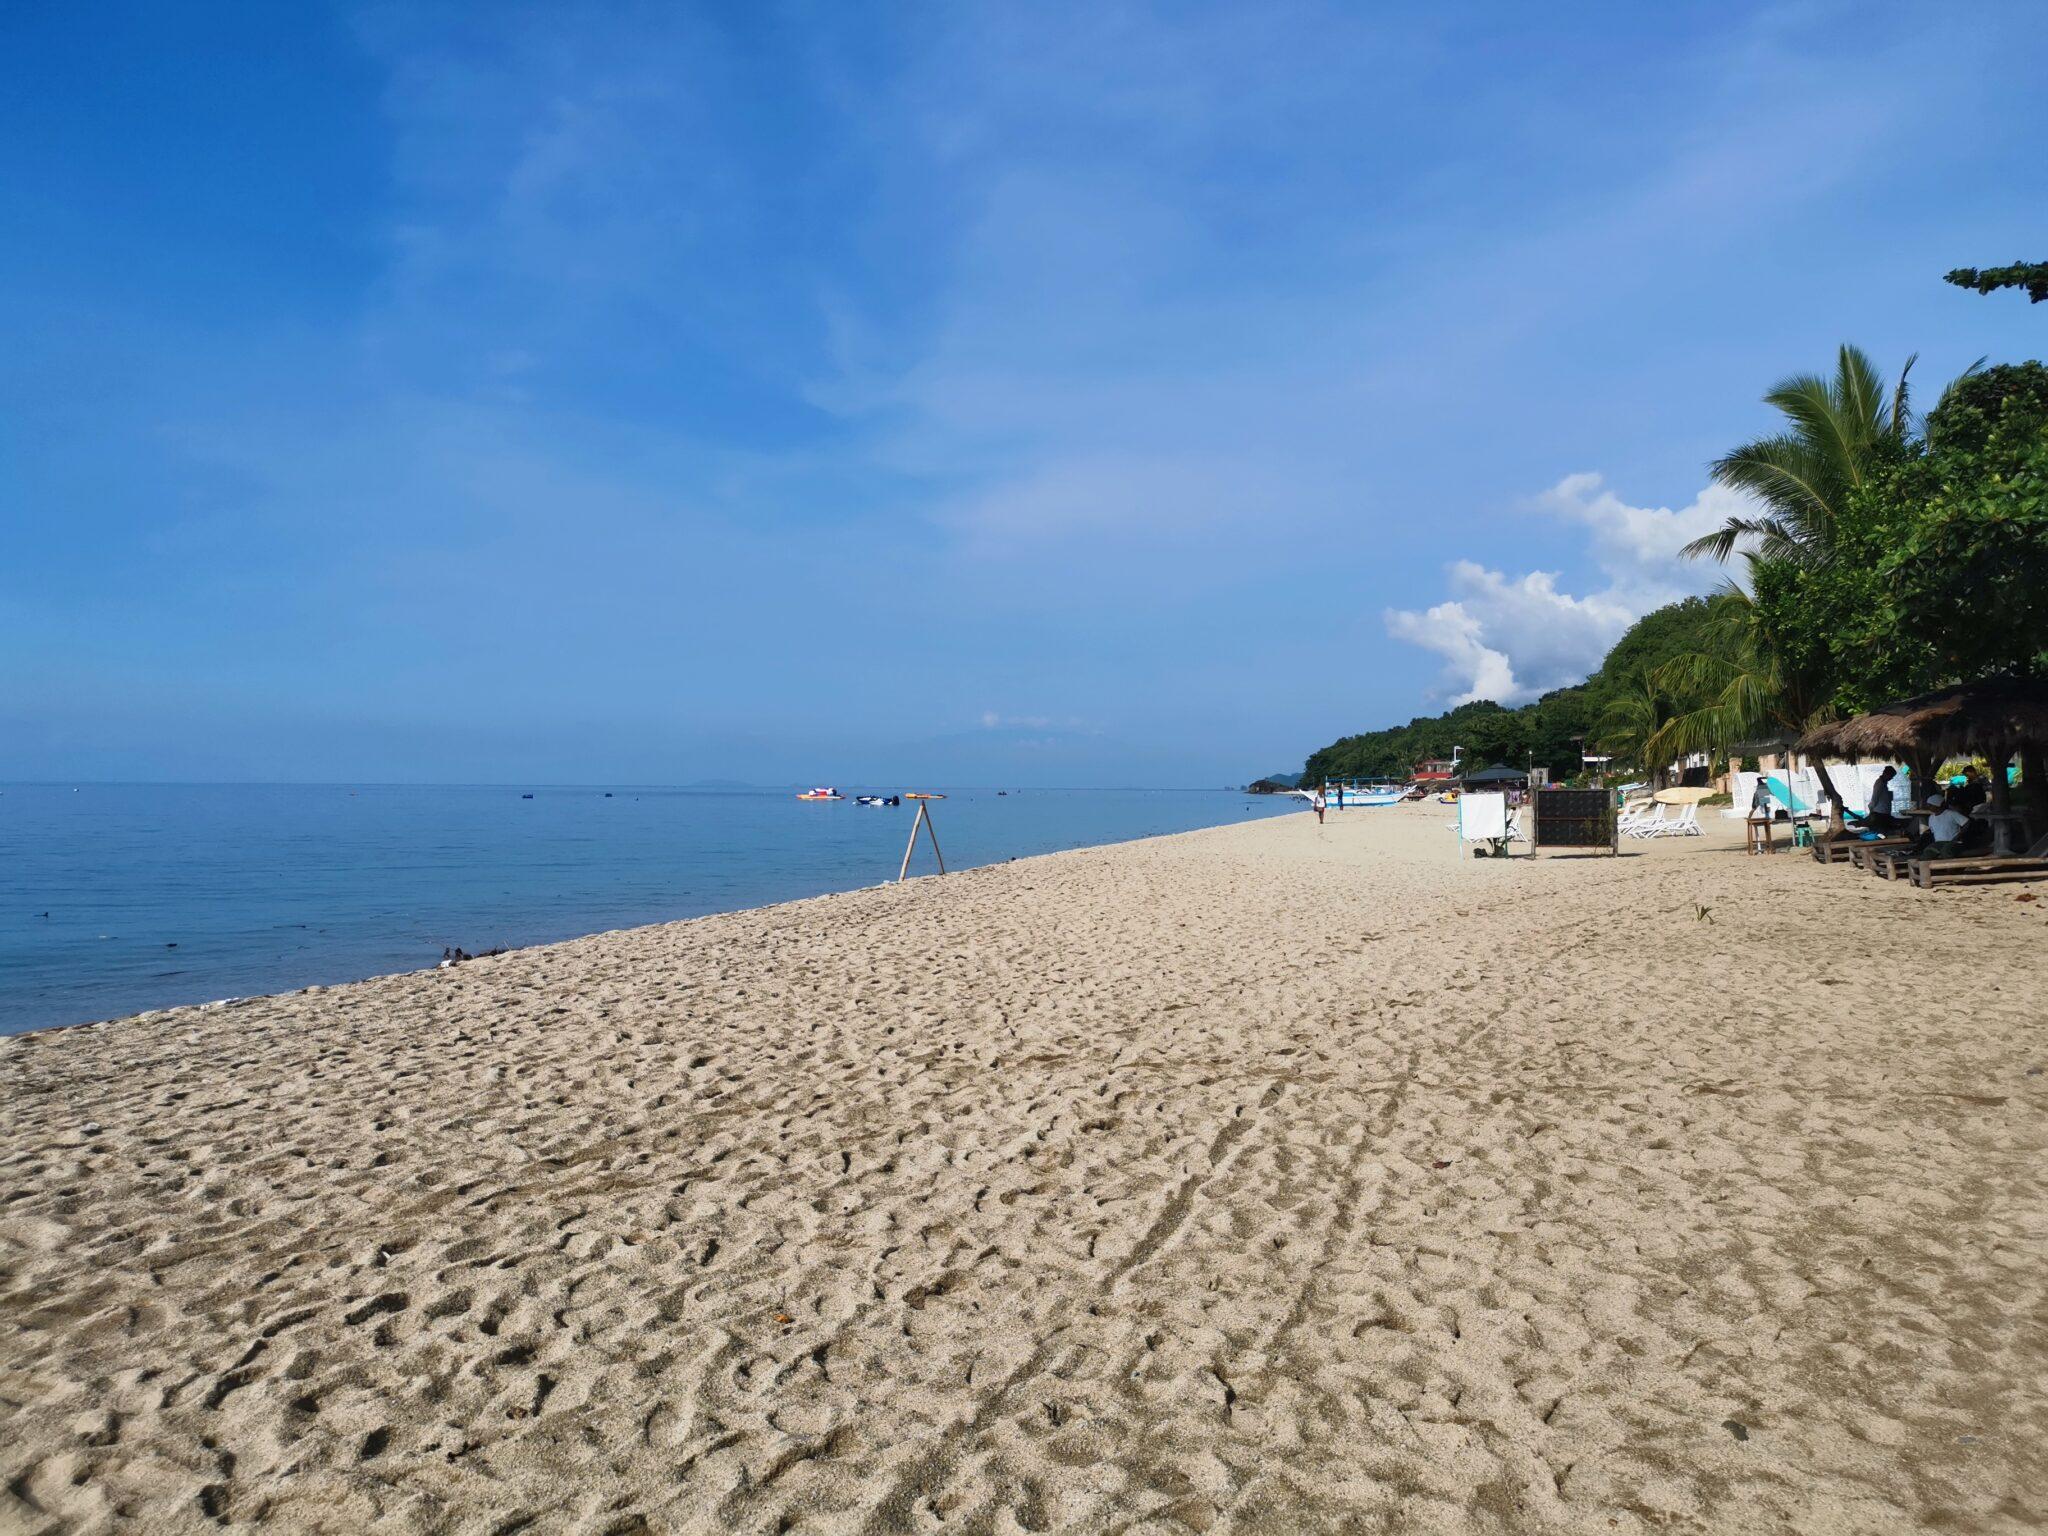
1999,714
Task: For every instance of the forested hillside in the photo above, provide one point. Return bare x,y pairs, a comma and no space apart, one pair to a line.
1491,733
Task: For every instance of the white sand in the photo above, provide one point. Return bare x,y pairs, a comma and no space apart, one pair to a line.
1262,1179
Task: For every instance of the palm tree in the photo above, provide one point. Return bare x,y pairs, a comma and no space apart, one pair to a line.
1633,719
1746,683
1803,474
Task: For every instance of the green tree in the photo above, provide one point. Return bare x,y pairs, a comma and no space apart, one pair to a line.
1966,570
2030,275
1804,474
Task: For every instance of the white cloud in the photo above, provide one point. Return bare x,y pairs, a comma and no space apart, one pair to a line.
1510,638
995,720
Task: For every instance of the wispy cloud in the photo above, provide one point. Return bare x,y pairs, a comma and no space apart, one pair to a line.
996,720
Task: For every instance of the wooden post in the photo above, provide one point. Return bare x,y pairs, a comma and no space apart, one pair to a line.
923,819
2034,774
2001,799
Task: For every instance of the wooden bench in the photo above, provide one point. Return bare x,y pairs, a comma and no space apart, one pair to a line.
1840,850
1928,873
1890,863
1865,855
1983,869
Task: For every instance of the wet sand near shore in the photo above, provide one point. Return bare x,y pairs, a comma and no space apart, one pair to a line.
1270,1178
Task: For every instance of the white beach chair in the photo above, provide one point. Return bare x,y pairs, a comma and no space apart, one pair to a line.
1651,825
1687,824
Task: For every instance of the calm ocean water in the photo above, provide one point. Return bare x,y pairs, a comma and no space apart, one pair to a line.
115,898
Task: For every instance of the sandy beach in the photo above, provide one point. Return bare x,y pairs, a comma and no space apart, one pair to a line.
1271,1178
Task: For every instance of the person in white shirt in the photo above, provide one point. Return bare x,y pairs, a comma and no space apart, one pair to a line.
1947,827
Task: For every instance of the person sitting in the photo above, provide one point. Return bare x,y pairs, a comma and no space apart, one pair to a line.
1970,790
1947,829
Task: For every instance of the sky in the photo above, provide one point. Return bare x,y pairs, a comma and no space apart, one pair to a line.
1086,393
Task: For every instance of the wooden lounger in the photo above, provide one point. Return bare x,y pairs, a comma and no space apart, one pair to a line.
1928,873
1983,869
1864,855
1840,850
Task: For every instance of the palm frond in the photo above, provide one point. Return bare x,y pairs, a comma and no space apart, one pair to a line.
1818,421
1902,408
1770,533
1788,476
1859,395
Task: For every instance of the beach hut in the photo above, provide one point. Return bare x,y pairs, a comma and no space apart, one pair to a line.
1999,716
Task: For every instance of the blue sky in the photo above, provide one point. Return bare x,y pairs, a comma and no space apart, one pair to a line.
1060,394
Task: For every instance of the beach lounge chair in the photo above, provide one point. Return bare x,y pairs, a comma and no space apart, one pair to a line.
1981,869
1687,824
1647,826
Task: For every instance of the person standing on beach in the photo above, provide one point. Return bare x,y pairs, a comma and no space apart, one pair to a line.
1880,817
1317,802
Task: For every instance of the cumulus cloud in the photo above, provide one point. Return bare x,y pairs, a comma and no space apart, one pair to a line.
1511,638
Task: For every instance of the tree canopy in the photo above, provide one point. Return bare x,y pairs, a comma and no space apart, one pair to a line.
2030,275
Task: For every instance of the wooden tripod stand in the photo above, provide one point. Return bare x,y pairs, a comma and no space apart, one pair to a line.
923,819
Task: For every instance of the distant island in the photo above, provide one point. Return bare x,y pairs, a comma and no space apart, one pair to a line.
1273,784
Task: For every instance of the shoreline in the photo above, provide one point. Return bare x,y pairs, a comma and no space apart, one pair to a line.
313,989
1259,1176
365,937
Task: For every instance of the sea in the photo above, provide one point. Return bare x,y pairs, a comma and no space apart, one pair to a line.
118,898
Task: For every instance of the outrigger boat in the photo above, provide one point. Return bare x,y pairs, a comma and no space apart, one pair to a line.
877,799
1351,796
823,792
915,794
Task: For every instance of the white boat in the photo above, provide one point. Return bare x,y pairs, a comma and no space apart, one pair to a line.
1346,797
822,792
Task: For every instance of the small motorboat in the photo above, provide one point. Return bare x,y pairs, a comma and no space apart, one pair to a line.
822,792
916,794
877,799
